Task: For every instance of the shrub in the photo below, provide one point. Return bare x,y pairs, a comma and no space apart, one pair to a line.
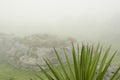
87,64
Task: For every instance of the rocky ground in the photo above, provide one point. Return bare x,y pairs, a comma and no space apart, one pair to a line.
28,51
111,71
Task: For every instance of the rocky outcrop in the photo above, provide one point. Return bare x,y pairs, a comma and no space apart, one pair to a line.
111,70
26,52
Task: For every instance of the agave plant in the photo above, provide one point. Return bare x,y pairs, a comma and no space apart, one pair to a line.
87,64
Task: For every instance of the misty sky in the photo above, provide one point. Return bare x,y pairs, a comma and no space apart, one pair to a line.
89,19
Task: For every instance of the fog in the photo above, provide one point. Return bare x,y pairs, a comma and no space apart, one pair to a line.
29,29
94,20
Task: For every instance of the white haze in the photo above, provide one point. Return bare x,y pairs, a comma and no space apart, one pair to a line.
97,20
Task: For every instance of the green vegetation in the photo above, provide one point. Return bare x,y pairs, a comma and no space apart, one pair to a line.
84,67
8,72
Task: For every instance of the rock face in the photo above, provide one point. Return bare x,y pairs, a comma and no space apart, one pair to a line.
110,72
26,52
6,42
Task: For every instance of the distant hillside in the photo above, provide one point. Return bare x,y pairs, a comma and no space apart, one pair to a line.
28,51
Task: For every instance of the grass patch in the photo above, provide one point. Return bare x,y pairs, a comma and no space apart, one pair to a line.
9,72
